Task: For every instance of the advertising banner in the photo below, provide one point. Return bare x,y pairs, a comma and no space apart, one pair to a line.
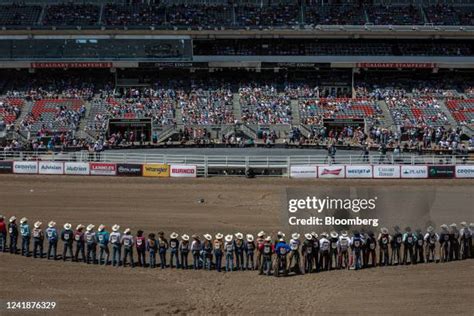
303,172
387,171
127,169
462,171
183,171
76,168
50,167
331,171
396,65
102,169
411,172
25,167
156,170
37,65
6,166
441,172
359,171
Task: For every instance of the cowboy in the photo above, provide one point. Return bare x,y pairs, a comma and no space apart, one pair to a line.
152,248
184,251
3,234
316,246
356,246
444,243
343,249
281,250
67,236
419,247
324,250
294,254
38,238
25,237
471,229
52,235
79,239
162,248
466,238
128,243
206,252
174,248
259,244
397,240
91,244
115,241
307,251
196,250
430,240
249,252
370,252
229,253
140,244
409,240
267,250
13,231
384,239
218,251
103,238
333,254
239,251
454,248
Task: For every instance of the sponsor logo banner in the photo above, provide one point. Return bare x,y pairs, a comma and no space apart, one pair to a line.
183,171
71,65
102,169
414,171
76,168
6,166
127,169
331,171
51,167
25,167
441,172
156,170
396,65
359,171
303,171
387,171
462,171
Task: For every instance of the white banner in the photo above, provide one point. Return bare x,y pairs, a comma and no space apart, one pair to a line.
76,168
303,172
464,171
336,171
386,171
183,171
353,171
51,167
414,171
25,167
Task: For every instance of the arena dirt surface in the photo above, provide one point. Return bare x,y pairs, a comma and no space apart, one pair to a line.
231,204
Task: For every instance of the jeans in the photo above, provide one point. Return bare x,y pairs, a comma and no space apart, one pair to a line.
67,246
249,264
104,249
162,258
25,246
207,258
13,242
152,258
52,249
229,262
141,252
80,250
239,259
37,245
174,255
3,242
128,253
266,265
196,260
357,259
218,256
116,252
184,259
91,253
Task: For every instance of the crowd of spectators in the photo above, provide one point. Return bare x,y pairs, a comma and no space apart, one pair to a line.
264,105
71,14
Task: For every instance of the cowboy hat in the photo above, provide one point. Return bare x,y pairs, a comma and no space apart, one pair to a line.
228,238
207,236
471,225
281,234
239,236
249,237
12,219
174,235
90,227
126,231
334,234
101,227
344,233
308,236
115,227
37,224
444,227
194,236
80,226
324,234
463,224
430,229
269,238
185,237
23,220
384,230
314,235
67,226
261,234
51,224
295,236
219,236
453,225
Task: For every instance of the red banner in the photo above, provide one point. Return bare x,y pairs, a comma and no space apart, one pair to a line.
396,65
71,65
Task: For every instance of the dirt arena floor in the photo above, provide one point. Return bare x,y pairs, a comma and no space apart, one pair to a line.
230,205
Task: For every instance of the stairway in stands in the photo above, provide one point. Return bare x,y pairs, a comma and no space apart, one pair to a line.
295,111
444,108
387,122
237,109
83,123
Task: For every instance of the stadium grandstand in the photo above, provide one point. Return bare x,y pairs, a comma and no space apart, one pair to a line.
106,74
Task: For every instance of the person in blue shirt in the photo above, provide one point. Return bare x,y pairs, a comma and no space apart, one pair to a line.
25,237
281,250
356,247
103,237
52,235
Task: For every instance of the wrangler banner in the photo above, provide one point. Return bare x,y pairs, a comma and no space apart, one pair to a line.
156,170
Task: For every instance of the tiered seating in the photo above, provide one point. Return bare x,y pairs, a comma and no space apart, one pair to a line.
462,111
15,14
395,15
72,14
281,15
334,15
55,115
417,112
264,105
442,14
205,107
10,109
133,15
199,16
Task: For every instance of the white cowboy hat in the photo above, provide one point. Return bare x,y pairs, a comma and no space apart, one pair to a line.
80,226
308,236
295,236
174,235
37,224
324,234
281,234
194,236
219,236
101,227
344,233
23,220
444,227
384,230
269,238
207,236
67,226
12,219
51,224
249,237
314,235
90,227
239,236
334,234
471,225
185,237
463,224
126,231
261,234
228,238
429,229
115,227
453,225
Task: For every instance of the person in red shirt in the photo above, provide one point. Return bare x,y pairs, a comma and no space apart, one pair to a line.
140,243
